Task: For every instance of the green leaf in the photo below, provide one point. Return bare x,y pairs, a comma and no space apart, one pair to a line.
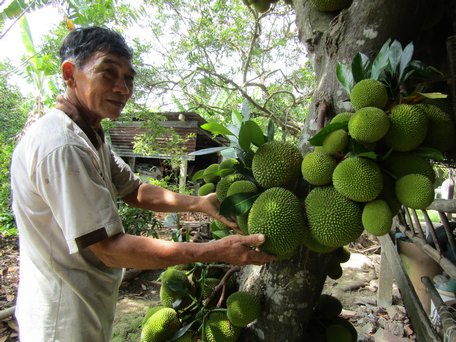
271,129
345,77
236,118
317,139
429,153
368,155
424,71
245,137
208,151
245,110
395,53
216,128
433,95
360,67
406,57
238,204
217,232
182,331
238,168
380,62
198,175
256,132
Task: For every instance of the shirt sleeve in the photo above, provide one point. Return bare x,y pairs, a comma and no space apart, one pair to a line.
122,176
72,186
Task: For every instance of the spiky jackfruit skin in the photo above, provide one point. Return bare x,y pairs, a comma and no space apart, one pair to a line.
217,328
276,163
277,213
327,306
369,93
317,168
342,117
242,308
224,184
358,179
335,141
408,128
209,286
206,189
331,5
441,128
313,245
150,312
415,191
209,173
161,326
228,164
377,217
368,125
241,186
168,295
333,219
405,163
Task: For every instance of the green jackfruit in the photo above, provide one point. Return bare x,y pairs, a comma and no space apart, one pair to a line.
217,328
405,163
242,308
345,323
368,125
276,163
317,168
208,287
327,306
338,333
224,184
377,217
169,296
408,128
334,270
313,245
415,191
209,175
206,189
227,165
262,5
369,93
241,186
277,213
441,129
150,312
331,5
358,179
161,326
333,219
335,141
342,117
342,254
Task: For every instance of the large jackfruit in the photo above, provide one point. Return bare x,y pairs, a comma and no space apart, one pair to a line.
369,93
404,163
377,217
277,213
331,5
276,163
217,328
415,191
358,179
333,219
171,297
317,168
161,326
408,128
242,308
368,125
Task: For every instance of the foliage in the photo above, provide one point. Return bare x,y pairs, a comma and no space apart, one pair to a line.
137,221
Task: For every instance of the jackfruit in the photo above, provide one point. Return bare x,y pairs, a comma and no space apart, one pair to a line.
150,312
358,179
217,328
331,5
415,191
313,245
404,163
241,186
161,326
317,168
169,295
276,163
335,141
369,93
327,306
206,189
224,184
338,333
408,128
441,129
342,117
334,270
342,254
277,214
227,165
345,323
208,287
209,175
262,5
333,219
368,125
242,308
377,217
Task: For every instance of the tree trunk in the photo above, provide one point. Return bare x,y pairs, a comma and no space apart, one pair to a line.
289,289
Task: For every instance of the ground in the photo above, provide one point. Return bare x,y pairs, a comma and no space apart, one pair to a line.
356,289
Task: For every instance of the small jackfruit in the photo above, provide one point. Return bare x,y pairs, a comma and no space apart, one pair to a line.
206,189
241,186
358,179
217,328
208,287
161,326
415,191
408,128
338,333
342,254
277,214
331,5
369,93
209,175
150,312
169,296
368,125
405,163
276,163
227,165
334,270
333,219
224,184
242,308
327,306
377,217
335,141
317,168
342,117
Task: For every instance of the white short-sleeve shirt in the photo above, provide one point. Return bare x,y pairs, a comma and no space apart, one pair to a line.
64,198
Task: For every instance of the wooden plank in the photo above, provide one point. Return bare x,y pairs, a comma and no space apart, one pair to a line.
385,287
420,320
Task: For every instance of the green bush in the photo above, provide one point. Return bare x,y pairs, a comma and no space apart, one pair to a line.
138,221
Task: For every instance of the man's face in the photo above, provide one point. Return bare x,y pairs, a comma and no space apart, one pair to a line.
103,85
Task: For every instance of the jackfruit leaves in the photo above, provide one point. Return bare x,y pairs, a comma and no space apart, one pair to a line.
181,332
380,62
216,129
208,151
345,77
246,172
429,153
219,232
238,204
271,129
317,139
250,133
360,67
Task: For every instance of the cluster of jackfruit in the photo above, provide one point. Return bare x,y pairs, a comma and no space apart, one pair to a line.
370,164
191,293
326,324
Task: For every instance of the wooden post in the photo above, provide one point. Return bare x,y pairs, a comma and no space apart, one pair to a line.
385,286
183,174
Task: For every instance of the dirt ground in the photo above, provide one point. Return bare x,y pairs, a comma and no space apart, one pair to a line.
356,289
